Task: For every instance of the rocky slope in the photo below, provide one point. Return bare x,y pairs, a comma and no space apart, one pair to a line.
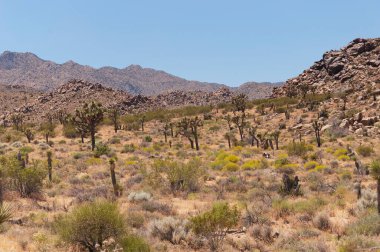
72,95
354,67
29,70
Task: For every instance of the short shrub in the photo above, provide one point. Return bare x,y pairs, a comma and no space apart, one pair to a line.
232,158
135,220
365,151
230,167
134,243
90,224
69,131
169,229
340,152
252,165
281,161
322,221
102,149
139,196
128,148
114,140
366,225
214,224
343,158
148,139
310,165
298,149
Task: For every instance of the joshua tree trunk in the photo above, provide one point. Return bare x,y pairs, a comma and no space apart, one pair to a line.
166,137
92,139
47,137
191,143
196,140
113,177
50,167
82,137
1,190
378,196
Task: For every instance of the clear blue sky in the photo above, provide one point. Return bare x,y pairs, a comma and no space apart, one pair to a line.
221,41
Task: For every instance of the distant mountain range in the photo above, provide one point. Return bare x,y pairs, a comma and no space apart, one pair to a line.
27,69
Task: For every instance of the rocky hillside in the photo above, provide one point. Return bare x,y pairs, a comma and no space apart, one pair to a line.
29,70
73,94
354,67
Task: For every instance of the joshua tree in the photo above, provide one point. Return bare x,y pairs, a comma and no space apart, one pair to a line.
142,121
375,171
50,165
62,116
239,121
166,129
189,128
29,135
113,177
276,135
252,133
317,126
114,114
240,103
88,118
229,136
17,120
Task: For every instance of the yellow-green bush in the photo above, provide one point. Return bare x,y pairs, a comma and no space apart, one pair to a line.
231,167
340,152
232,158
251,165
281,161
310,165
365,151
343,158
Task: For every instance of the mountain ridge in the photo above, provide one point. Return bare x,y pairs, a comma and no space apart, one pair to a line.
27,69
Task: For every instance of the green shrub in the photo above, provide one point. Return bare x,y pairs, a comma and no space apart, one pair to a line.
26,149
214,224
230,167
340,152
232,158
91,223
281,161
366,225
310,165
298,149
365,151
134,243
5,213
69,131
102,149
148,139
343,158
128,148
252,165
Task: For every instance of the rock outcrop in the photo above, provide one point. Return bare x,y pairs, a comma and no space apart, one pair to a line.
355,67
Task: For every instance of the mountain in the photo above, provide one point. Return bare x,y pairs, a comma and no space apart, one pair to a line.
29,70
355,67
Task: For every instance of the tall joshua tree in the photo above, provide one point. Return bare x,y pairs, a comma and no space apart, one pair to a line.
88,118
50,164
142,121
276,136
252,133
29,135
317,126
114,114
189,128
113,177
166,129
375,171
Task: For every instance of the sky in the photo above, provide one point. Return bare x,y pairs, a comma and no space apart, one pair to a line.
229,42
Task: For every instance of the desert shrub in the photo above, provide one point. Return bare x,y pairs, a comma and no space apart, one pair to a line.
135,220
5,213
169,229
281,161
26,150
114,140
298,149
154,206
179,176
134,243
365,150
310,165
148,139
128,148
340,152
69,131
27,181
90,224
214,224
367,200
102,149
355,243
232,158
322,221
308,206
368,225
139,196
252,165
230,167
263,233
343,158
